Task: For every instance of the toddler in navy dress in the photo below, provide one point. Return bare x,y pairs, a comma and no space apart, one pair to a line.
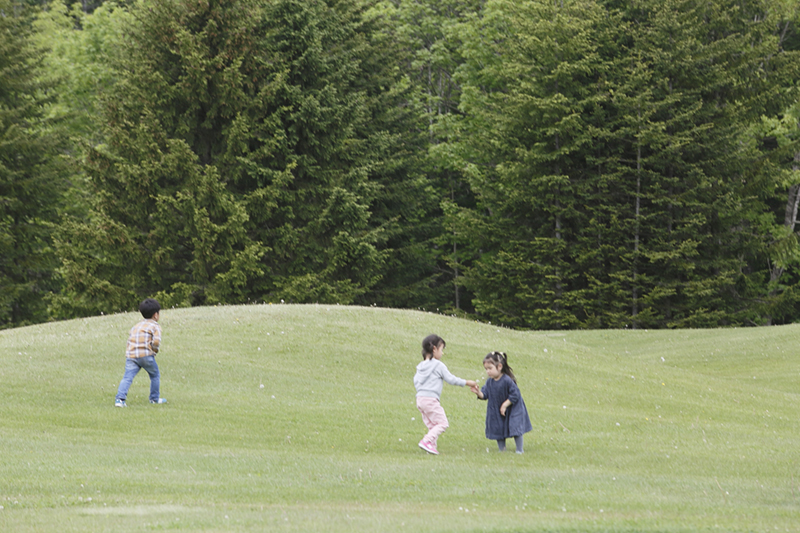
506,414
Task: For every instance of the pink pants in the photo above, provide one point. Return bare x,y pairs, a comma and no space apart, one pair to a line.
434,418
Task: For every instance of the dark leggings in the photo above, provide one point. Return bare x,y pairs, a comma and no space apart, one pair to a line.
501,444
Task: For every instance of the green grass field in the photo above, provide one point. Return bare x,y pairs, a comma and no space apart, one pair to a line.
303,418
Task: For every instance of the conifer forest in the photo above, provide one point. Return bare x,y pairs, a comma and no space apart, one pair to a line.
538,164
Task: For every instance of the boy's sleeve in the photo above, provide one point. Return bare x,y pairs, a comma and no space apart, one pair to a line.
155,344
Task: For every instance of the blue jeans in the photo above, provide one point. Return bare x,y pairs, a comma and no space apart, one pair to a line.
132,367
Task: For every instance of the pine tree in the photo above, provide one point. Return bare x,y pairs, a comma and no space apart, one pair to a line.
531,96
713,71
162,222
778,137
31,176
604,146
426,252
308,183
242,160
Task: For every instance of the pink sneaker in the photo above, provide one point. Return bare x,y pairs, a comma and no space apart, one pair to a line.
428,447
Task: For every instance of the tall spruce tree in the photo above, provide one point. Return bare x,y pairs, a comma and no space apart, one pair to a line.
308,182
603,144
531,98
713,70
779,139
161,220
241,160
31,176
81,50
423,268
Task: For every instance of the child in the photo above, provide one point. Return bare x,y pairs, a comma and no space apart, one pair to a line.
143,344
431,373
506,414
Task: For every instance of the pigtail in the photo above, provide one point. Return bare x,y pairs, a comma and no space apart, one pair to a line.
507,369
501,358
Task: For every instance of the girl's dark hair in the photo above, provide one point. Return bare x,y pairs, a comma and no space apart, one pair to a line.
500,358
429,343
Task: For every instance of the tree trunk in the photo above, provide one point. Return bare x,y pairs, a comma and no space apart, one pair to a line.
789,221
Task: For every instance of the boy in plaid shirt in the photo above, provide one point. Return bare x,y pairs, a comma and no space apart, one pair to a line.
143,344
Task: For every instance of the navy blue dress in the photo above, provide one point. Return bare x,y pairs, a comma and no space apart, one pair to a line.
516,422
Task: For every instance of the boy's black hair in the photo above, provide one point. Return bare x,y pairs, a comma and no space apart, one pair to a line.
149,307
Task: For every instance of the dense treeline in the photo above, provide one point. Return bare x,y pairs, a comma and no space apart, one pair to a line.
540,164
32,181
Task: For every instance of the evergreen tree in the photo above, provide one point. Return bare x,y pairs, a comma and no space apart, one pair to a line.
714,71
308,181
531,98
30,176
779,139
82,50
161,221
242,160
426,252
614,189
86,6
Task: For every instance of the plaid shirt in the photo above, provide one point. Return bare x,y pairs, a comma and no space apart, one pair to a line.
144,340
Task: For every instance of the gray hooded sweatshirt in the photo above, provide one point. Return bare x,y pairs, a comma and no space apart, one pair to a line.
430,375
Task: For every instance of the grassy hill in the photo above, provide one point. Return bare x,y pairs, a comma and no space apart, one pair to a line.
302,418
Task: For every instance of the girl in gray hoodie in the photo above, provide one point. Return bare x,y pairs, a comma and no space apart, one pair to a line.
431,374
